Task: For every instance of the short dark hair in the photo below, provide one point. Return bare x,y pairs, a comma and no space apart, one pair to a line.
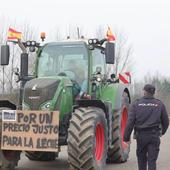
149,88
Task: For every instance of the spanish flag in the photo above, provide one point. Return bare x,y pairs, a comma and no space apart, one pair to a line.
110,36
13,34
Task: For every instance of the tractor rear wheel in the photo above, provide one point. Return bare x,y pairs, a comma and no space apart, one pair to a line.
8,159
87,139
120,151
41,156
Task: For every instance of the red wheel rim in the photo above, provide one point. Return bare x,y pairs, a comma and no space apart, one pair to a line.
9,155
123,125
99,141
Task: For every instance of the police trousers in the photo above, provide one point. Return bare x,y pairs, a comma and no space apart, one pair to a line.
148,143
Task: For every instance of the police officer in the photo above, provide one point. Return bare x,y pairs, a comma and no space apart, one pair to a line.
149,118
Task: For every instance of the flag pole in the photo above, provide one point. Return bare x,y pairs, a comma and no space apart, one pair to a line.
3,83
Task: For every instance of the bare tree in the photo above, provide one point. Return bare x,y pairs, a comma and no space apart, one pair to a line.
123,50
123,53
4,22
162,85
100,32
29,33
55,34
75,31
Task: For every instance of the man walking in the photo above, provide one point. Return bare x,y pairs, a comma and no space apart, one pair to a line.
149,119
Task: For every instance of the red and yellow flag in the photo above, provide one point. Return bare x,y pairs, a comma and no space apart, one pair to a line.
110,36
13,34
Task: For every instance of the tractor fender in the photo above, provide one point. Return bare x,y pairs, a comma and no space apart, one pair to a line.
113,93
8,104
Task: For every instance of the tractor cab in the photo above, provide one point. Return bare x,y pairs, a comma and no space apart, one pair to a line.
58,59
68,59
79,61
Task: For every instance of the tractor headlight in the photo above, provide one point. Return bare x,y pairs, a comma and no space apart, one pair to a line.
90,41
46,106
33,43
98,79
28,43
93,41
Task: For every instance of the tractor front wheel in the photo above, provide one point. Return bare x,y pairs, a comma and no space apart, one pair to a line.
8,159
87,139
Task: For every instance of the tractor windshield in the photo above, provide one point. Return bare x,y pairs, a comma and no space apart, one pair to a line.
64,59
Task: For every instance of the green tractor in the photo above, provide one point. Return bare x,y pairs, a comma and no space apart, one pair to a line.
70,83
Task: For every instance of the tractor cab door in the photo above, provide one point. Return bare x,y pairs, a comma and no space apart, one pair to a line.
99,72
98,61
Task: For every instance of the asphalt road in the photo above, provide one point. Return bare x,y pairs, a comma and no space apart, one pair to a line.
61,162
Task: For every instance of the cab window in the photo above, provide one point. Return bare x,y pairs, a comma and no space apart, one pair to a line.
98,60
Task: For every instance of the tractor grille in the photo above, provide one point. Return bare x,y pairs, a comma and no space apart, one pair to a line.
38,91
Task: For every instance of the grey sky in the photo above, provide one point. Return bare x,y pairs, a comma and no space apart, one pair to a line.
146,23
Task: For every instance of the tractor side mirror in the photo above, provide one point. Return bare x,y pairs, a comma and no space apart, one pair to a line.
110,53
5,53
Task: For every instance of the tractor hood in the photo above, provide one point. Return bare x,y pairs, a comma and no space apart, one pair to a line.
40,90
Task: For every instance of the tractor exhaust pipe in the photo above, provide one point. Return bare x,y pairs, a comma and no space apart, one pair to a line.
24,65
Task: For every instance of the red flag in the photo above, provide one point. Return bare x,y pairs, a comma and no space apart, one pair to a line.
110,36
128,74
13,34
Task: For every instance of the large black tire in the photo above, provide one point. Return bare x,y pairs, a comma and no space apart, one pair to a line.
41,156
87,139
8,159
120,151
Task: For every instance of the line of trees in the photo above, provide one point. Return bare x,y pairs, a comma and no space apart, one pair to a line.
7,77
162,85
123,49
